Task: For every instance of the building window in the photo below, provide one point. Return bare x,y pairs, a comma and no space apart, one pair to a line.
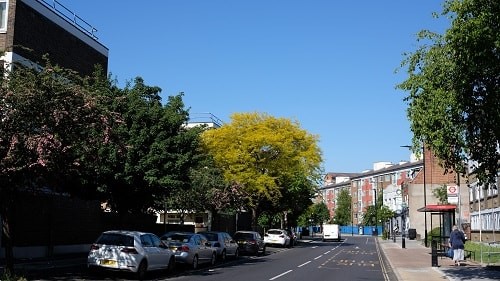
3,15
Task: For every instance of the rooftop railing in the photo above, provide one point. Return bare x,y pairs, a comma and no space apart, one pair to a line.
72,17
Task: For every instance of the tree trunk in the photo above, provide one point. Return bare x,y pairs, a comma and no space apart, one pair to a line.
254,219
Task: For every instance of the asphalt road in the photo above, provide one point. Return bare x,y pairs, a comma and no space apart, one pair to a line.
353,258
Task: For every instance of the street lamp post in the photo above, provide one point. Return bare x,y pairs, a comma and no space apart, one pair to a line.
425,197
376,211
403,224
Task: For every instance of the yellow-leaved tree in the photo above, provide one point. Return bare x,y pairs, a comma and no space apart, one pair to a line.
269,157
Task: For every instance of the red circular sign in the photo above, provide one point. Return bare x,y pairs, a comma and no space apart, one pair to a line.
452,189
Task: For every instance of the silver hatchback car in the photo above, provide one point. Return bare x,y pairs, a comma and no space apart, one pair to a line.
131,251
223,242
190,248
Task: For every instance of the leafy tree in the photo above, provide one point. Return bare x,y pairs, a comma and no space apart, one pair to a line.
208,192
382,213
454,91
296,198
316,214
51,124
321,214
441,194
385,213
261,153
369,215
343,214
156,154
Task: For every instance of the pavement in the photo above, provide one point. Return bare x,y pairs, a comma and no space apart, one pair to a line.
412,263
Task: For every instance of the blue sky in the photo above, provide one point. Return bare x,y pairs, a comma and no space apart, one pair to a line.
330,65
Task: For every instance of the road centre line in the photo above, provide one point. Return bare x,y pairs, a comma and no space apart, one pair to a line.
278,276
318,257
303,264
326,253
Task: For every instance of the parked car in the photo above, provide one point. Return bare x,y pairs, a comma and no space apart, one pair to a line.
250,242
223,243
190,248
132,251
277,237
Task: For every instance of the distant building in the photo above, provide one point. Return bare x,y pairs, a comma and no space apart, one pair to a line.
204,119
30,29
406,189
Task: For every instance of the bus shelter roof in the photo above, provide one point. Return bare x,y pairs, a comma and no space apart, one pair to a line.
438,208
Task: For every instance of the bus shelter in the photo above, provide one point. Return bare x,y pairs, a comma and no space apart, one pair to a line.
442,217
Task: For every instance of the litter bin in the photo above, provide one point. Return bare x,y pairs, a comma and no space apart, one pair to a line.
360,230
412,233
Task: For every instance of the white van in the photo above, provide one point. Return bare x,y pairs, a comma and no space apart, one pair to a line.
331,232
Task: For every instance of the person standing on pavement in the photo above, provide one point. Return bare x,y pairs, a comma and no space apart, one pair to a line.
457,241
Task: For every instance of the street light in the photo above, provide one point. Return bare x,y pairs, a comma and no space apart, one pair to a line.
403,224
376,210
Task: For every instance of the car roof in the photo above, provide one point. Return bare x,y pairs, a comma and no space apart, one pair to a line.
125,232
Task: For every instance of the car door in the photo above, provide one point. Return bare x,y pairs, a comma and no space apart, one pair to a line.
205,249
231,245
151,253
164,252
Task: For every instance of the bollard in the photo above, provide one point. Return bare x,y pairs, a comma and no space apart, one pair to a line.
434,255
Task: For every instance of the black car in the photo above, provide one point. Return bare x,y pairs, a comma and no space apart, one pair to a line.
250,242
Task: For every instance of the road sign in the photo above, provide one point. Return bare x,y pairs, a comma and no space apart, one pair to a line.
452,192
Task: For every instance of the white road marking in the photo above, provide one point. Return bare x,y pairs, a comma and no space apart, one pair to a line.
318,257
304,264
325,253
278,276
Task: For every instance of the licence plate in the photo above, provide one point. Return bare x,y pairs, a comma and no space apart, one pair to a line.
109,262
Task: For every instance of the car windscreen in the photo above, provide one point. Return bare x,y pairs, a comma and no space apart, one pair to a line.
184,238
211,236
116,239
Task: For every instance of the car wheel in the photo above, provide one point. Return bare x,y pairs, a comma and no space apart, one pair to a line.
214,258
195,262
237,253
141,270
223,256
171,265
264,250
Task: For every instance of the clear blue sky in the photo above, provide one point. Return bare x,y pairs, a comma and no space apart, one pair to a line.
328,64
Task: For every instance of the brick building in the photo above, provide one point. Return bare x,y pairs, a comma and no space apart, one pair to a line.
402,187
